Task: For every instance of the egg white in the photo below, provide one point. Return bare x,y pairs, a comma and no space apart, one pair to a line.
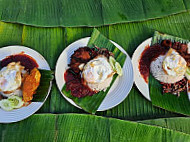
10,77
174,64
97,70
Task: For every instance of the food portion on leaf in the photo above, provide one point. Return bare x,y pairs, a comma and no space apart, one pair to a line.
19,79
91,75
90,71
168,60
168,63
167,73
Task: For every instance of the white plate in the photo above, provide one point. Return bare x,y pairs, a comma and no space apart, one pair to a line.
139,81
24,112
118,91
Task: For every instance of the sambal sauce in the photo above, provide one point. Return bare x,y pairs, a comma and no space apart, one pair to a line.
75,84
149,55
25,60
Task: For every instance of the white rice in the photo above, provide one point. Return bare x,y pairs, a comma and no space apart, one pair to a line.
100,86
158,72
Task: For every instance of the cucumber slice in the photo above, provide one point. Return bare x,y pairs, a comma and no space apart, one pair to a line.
112,62
118,69
187,73
16,102
5,104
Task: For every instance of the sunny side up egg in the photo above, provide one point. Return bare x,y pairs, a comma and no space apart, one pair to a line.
10,77
98,73
174,64
97,70
169,68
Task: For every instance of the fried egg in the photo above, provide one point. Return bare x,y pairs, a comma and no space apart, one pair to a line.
174,64
97,70
157,71
10,77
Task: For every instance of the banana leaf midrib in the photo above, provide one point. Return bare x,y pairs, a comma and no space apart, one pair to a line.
165,123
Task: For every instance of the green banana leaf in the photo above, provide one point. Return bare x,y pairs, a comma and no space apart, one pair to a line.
167,101
50,42
91,103
158,37
70,13
181,124
89,128
44,87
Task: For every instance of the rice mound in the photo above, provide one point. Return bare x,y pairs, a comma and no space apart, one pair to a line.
158,72
102,85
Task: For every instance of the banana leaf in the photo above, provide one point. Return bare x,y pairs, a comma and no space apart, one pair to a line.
35,129
50,42
91,103
10,34
168,101
89,128
158,37
181,124
44,87
70,13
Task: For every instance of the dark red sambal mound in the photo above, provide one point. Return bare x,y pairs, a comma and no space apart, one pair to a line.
149,55
72,76
25,60
75,84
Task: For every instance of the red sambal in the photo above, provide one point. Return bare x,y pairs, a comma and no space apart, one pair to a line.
25,60
75,84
